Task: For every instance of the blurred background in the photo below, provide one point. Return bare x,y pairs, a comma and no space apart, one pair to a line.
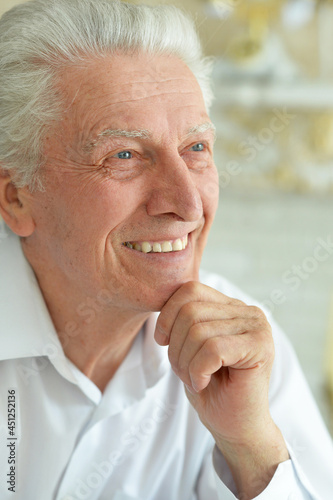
273,234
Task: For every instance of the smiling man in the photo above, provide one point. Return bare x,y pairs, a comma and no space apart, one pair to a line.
124,374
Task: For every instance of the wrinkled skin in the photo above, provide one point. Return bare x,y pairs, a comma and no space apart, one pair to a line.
103,190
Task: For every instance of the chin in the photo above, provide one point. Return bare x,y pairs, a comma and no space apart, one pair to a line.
156,297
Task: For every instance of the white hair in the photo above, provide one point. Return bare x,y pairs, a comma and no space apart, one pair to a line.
40,37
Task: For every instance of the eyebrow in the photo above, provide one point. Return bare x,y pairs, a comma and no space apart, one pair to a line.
144,134
201,129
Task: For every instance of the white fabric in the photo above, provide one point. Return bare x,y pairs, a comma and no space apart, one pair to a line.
141,439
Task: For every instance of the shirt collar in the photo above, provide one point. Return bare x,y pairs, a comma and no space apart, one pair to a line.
24,319
26,330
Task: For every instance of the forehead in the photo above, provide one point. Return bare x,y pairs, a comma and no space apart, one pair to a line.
132,91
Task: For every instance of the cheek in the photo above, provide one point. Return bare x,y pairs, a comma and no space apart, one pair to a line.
209,192
97,207
112,203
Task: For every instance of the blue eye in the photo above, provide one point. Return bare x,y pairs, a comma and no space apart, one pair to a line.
124,155
198,147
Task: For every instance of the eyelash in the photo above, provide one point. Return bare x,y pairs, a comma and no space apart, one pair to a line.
199,144
191,148
122,152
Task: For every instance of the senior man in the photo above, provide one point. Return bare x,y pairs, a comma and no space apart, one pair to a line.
108,190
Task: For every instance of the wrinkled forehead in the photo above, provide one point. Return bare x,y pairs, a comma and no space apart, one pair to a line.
126,76
127,91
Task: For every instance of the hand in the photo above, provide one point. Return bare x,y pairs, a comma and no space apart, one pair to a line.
223,351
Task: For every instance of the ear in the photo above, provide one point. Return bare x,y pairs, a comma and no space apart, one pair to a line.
15,206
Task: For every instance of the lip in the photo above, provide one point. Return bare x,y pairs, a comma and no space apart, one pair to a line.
163,256
161,239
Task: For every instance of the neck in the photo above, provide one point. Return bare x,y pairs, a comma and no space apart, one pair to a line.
96,336
98,342
98,349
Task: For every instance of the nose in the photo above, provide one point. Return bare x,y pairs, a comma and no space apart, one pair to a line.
173,190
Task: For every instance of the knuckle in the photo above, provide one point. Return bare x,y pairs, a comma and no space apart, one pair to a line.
267,343
188,311
196,332
212,347
237,302
257,312
192,287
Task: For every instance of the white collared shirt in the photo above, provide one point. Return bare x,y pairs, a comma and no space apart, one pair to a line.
140,439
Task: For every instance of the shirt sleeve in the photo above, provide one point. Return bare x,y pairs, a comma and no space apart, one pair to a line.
296,414
284,485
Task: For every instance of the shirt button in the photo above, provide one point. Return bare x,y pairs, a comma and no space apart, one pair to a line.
68,497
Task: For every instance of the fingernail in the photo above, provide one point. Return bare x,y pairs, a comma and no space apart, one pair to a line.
160,336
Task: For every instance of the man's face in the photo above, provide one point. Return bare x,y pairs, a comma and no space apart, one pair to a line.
129,167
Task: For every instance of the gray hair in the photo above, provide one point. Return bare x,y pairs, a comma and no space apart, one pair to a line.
40,37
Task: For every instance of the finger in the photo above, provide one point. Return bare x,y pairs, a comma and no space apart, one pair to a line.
192,291
201,312
243,352
184,345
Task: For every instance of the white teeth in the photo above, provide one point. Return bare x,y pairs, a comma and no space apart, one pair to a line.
177,245
146,247
166,246
157,248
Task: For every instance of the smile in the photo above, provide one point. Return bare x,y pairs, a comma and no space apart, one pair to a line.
158,247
